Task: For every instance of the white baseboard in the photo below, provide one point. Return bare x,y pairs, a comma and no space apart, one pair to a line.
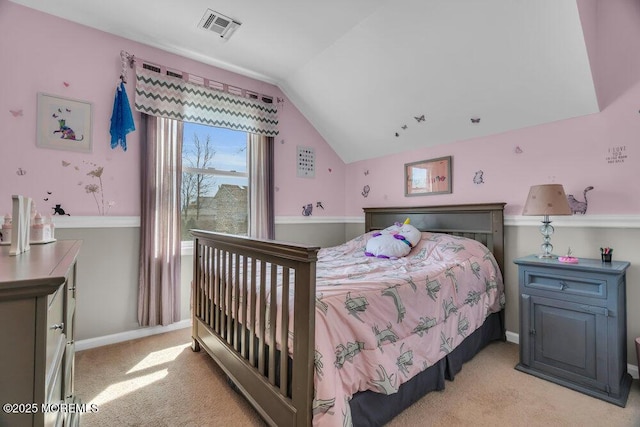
512,337
130,335
631,369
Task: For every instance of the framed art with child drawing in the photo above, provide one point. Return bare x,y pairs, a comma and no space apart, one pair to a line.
64,124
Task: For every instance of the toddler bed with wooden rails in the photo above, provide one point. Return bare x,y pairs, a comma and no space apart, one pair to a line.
331,336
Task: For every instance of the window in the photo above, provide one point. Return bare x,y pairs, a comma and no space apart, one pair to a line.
215,180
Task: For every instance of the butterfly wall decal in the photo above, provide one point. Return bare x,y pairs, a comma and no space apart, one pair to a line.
404,127
16,113
419,118
475,120
21,172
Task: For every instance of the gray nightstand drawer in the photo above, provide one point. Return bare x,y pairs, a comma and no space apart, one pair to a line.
569,285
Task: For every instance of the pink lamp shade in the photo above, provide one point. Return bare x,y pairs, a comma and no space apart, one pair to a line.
546,199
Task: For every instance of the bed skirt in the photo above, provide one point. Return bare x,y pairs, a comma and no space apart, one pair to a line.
374,409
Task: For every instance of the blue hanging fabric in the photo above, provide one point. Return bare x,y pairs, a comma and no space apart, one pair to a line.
121,118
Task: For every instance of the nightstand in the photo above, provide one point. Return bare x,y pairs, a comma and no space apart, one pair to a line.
573,325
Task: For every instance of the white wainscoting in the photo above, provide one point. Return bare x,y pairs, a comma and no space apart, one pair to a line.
588,221
598,221
96,221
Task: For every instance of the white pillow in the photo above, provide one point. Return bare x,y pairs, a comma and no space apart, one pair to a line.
393,242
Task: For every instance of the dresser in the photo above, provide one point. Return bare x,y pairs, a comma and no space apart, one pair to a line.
37,314
573,327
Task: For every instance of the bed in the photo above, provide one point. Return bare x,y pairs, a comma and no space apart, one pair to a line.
345,347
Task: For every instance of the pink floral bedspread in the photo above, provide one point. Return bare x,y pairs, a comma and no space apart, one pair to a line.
379,322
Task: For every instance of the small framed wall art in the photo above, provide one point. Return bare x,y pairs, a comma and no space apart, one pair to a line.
64,124
428,177
306,162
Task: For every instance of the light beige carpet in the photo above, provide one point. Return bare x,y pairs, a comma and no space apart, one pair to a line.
158,381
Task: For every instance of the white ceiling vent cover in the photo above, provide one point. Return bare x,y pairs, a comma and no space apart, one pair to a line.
218,23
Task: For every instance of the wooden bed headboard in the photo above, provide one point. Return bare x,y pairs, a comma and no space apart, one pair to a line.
481,222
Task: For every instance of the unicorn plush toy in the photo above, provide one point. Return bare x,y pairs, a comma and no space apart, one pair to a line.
393,242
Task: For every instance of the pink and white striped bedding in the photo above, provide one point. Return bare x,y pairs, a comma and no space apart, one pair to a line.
379,322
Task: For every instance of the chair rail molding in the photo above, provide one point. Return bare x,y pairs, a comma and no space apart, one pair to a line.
587,221
96,221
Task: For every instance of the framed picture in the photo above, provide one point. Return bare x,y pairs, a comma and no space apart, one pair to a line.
63,124
428,177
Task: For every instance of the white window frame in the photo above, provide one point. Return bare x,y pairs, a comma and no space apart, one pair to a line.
186,248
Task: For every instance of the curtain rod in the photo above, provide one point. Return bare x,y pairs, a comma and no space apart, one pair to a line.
131,60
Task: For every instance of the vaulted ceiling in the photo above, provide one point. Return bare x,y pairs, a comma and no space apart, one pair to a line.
366,72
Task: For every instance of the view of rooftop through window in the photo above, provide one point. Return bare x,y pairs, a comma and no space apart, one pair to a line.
215,180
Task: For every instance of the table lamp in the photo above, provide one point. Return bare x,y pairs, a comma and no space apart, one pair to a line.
546,200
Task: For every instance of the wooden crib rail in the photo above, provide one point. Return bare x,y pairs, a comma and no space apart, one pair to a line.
231,278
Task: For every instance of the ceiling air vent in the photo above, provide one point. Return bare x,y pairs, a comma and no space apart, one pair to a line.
218,23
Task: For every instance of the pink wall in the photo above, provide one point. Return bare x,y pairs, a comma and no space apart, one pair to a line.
291,192
576,153
612,35
572,152
49,52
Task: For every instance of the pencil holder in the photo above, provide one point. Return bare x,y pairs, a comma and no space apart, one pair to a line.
606,257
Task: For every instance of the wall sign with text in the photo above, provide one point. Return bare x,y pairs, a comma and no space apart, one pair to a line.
616,154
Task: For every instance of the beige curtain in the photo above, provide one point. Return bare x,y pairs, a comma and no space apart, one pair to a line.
261,216
159,286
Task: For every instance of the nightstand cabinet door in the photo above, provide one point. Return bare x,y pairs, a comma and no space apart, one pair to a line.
573,325
567,340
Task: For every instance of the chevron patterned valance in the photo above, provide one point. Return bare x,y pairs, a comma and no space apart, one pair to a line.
174,98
